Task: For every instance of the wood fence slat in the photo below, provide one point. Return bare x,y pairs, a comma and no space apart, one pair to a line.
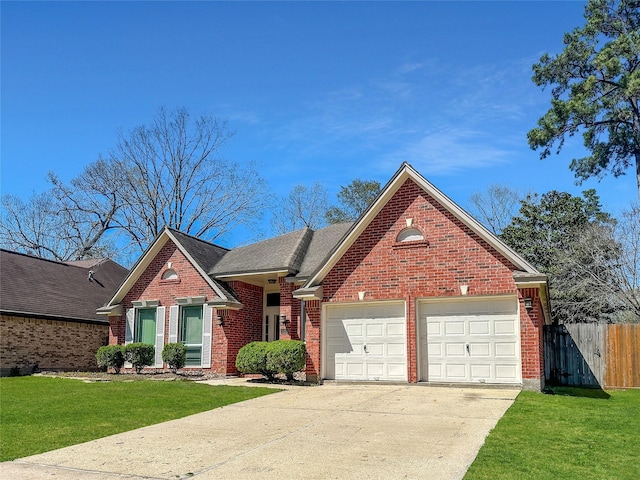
593,355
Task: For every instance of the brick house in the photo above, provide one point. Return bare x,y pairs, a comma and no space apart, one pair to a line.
48,317
415,290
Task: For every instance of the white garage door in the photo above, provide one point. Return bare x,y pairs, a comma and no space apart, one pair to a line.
366,341
471,340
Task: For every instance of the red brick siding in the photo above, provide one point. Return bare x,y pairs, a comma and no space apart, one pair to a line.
245,325
289,307
313,339
50,344
450,255
150,286
531,335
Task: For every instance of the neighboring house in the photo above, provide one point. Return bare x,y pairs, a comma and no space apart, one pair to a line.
414,291
48,317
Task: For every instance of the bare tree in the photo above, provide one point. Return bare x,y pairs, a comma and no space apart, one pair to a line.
496,207
303,207
171,174
167,173
45,226
599,271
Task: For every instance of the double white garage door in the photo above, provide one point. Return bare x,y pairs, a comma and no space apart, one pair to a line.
468,340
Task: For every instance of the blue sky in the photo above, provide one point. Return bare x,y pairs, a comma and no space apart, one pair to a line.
315,91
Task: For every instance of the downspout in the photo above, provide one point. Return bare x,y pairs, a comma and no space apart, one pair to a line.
303,320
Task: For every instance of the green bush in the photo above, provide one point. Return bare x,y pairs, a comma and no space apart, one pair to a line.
174,355
140,355
271,358
252,358
286,356
111,356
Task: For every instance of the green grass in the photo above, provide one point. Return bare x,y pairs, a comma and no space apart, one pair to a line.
41,414
574,434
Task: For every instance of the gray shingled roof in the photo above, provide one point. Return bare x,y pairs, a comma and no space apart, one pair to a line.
322,243
34,286
285,252
204,253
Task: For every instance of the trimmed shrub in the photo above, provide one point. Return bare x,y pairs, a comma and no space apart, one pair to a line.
286,356
111,356
174,355
252,358
271,358
140,355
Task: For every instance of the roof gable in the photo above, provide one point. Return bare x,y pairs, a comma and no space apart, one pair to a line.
201,255
407,172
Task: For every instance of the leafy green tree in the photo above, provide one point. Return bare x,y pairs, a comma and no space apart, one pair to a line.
557,233
354,199
595,89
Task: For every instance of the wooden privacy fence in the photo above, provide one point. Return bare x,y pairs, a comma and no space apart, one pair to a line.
592,355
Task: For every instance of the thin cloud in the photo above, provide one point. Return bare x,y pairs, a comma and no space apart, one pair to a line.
440,118
449,151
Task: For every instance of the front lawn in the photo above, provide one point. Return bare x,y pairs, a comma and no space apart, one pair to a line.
40,414
573,435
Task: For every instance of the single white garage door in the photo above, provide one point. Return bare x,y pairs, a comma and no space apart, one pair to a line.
470,340
366,341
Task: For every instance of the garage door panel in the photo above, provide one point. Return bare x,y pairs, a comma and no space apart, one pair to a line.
454,327
354,370
480,349
505,349
454,349
505,327
434,328
479,327
506,372
374,330
470,340
396,350
479,372
353,330
380,327
456,371
397,329
435,349
375,349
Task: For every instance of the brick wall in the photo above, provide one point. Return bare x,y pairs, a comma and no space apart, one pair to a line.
313,339
49,344
151,286
244,325
289,307
532,339
450,255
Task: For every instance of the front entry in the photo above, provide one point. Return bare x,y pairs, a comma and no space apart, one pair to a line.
271,324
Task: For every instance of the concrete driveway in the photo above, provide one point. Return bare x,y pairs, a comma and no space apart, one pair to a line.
324,432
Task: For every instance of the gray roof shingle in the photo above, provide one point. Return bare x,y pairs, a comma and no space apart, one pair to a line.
285,252
33,285
204,253
322,243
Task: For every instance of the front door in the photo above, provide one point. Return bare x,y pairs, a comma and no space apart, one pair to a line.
271,330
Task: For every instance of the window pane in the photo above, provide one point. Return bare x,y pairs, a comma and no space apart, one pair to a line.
146,327
191,331
193,356
273,299
192,325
